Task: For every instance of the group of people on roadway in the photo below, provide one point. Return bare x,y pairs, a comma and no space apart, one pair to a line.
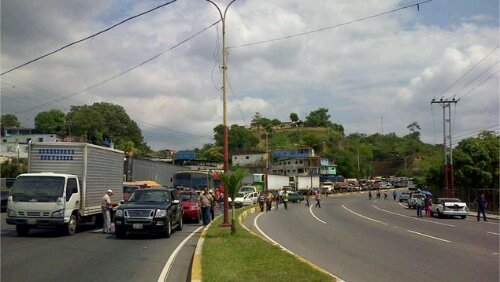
266,199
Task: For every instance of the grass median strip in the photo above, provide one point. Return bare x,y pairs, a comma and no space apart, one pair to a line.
245,257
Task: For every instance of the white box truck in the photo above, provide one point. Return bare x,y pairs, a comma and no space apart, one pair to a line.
276,182
64,186
307,182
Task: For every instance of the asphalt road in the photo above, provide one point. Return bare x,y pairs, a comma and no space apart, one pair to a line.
379,240
90,255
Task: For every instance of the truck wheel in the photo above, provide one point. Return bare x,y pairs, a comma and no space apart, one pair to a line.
180,224
440,215
463,216
22,230
70,227
168,232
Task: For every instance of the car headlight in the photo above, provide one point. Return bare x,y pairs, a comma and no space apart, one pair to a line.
160,213
11,212
119,213
58,213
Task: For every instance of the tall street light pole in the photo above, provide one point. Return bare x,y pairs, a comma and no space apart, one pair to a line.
225,138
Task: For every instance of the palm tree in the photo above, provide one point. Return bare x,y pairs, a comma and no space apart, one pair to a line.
233,183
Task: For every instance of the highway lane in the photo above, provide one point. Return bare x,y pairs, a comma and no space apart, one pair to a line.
90,255
359,240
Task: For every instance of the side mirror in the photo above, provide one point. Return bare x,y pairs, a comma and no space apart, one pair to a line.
175,202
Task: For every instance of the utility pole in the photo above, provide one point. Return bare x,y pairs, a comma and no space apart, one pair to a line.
448,150
224,75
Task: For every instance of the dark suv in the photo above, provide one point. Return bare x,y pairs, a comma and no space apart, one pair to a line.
151,211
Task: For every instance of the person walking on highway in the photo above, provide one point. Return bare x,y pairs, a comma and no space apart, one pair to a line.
394,194
212,205
419,204
285,200
427,205
221,201
269,201
481,207
385,195
106,207
318,199
276,199
378,194
369,195
306,197
261,201
205,202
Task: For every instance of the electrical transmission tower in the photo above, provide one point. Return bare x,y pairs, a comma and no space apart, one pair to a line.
447,141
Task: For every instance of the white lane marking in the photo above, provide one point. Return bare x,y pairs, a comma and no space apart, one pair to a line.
435,222
378,221
168,265
285,249
429,236
310,210
403,205
494,233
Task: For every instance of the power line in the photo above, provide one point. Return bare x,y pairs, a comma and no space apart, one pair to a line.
331,27
119,74
475,78
88,37
479,84
468,71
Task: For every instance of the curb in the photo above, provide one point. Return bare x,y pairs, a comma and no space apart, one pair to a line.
317,267
196,265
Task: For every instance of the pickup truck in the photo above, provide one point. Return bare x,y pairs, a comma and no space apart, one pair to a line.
152,211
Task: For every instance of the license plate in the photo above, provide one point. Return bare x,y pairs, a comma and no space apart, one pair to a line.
137,226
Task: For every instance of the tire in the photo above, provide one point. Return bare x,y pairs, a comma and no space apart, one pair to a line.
22,230
440,215
120,233
70,227
168,232
180,224
463,216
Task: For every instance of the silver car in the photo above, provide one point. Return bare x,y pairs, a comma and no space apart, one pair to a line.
449,207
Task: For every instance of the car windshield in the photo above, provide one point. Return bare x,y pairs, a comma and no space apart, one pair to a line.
451,200
240,195
144,196
187,197
130,189
38,188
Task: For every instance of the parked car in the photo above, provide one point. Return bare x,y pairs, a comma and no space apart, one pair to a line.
413,198
327,187
5,198
245,199
248,189
295,197
190,205
385,185
404,196
151,211
449,207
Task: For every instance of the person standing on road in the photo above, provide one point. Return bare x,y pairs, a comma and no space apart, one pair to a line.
212,205
106,207
285,200
205,202
427,205
261,201
481,207
269,201
318,199
385,195
276,199
394,195
306,197
369,195
221,201
418,204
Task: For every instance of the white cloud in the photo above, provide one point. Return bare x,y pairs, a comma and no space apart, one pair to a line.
390,66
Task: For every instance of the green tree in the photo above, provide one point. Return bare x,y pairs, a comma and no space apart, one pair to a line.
10,120
294,117
12,168
106,120
241,139
318,118
233,181
53,121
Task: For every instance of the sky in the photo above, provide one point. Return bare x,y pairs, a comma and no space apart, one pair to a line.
374,67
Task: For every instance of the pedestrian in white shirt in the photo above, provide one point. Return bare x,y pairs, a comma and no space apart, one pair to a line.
106,207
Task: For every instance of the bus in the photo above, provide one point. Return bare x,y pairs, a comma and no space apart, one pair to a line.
196,180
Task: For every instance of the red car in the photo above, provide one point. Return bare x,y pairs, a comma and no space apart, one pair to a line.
191,205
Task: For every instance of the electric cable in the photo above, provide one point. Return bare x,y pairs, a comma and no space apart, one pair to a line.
329,27
86,38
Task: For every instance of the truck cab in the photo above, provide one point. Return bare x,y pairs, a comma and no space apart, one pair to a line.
46,199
